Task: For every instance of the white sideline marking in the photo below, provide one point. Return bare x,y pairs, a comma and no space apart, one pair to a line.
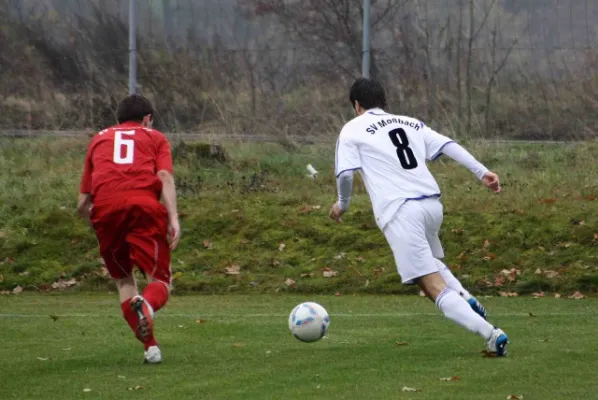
270,315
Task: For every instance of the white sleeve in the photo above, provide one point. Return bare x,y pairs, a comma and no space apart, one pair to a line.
435,143
347,155
344,183
463,157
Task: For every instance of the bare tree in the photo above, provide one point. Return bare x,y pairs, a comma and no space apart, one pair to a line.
473,34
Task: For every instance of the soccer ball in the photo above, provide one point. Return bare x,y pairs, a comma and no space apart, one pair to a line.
309,322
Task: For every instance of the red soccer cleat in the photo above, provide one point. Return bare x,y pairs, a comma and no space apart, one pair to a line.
145,323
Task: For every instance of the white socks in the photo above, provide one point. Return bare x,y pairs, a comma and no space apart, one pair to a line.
455,308
452,282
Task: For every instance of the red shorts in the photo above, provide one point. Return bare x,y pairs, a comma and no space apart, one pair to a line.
133,230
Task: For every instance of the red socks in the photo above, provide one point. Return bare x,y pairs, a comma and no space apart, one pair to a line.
156,294
131,319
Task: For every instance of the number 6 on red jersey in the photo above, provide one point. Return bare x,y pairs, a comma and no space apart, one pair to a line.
120,144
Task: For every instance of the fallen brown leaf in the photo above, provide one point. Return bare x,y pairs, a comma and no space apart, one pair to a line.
400,343
488,354
514,397
378,272
451,379
457,230
281,247
62,284
360,259
499,280
489,256
508,294
290,283
328,273
1,278
238,345
310,275
3,234
337,294
551,274
207,244
547,201
557,296
577,295
138,387
462,256
244,241
233,270
486,244
200,321
537,295
17,290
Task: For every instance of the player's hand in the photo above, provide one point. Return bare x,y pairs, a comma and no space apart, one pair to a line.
336,213
174,233
491,181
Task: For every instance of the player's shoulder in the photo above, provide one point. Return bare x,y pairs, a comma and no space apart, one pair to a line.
352,127
154,134
411,122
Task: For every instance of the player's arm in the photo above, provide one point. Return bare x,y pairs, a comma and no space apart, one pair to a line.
437,145
463,157
347,161
168,195
84,207
84,203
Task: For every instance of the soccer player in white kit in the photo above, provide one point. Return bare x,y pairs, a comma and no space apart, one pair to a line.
390,152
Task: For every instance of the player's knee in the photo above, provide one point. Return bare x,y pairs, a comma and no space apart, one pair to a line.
432,285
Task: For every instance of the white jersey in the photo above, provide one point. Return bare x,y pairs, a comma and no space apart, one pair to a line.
391,153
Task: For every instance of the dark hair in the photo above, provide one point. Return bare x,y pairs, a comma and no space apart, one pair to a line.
133,108
369,93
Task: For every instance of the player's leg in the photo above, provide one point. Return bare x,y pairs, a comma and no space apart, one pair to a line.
434,220
455,308
110,224
454,284
415,262
150,251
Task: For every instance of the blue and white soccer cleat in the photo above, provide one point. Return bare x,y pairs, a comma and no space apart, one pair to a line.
477,307
498,342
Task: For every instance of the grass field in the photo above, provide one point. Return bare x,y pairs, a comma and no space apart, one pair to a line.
55,347
260,214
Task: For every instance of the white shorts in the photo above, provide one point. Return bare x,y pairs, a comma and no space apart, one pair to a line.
413,237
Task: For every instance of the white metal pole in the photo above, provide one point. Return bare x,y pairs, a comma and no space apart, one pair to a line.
132,46
365,63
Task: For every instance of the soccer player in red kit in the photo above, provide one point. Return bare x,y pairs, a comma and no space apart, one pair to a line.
128,169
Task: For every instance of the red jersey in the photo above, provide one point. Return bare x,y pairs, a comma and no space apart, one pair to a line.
125,158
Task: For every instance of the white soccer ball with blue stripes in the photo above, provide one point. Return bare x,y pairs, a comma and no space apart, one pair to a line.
309,322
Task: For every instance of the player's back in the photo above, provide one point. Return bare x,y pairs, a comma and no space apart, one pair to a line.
125,158
392,152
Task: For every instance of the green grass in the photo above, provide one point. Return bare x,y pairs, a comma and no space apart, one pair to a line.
546,218
244,350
